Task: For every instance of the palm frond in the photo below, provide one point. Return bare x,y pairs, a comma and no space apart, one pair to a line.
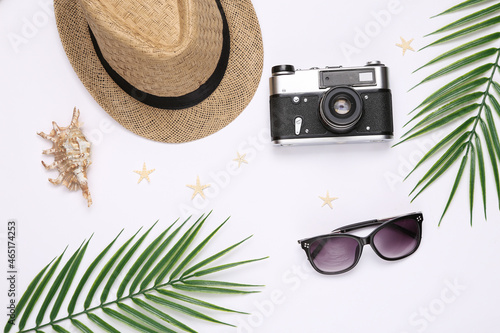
467,103
151,276
461,6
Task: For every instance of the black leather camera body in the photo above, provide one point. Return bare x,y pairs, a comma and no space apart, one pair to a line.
330,105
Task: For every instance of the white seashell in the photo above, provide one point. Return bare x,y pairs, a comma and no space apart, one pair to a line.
71,152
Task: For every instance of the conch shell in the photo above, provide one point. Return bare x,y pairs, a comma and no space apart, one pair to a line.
71,152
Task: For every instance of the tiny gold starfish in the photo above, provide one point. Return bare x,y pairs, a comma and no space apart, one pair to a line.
144,173
198,188
240,159
327,200
405,45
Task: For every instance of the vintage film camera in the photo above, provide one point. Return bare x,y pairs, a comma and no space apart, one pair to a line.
330,105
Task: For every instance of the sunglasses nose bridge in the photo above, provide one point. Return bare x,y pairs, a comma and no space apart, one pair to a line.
365,241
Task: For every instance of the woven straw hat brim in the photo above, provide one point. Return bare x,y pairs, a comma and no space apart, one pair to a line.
235,91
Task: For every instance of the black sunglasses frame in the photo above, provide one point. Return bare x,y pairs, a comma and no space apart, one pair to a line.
362,241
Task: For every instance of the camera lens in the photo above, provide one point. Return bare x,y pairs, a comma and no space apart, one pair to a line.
340,109
342,106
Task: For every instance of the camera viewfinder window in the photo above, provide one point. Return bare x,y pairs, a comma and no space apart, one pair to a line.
366,77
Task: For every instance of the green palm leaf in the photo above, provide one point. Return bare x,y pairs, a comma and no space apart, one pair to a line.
223,267
162,315
53,290
129,321
472,179
441,122
34,298
195,301
212,258
463,48
167,261
194,253
26,296
459,130
144,272
104,272
120,266
81,326
469,94
145,319
448,107
456,183
60,329
461,6
184,309
493,159
211,290
441,166
83,280
102,324
459,64
470,29
457,87
468,19
145,308
482,172
140,261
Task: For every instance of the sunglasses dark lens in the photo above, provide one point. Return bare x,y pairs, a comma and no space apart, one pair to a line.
334,254
397,239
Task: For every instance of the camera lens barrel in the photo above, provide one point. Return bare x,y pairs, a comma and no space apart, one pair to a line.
340,109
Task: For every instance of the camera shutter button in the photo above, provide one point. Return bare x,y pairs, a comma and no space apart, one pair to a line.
283,69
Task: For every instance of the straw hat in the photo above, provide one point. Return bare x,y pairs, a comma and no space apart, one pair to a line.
168,70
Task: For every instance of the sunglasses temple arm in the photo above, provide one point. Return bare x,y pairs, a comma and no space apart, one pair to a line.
318,249
370,223
358,225
404,230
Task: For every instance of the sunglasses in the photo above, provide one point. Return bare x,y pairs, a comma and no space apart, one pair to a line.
338,252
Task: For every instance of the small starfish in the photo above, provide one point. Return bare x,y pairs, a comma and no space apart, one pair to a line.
240,159
405,45
144,173
198,188
327,200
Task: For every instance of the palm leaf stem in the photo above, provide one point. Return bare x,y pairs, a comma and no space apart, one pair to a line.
483,102
482,105
91,310
473,133
108,304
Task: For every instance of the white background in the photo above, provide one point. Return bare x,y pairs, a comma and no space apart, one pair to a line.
449,285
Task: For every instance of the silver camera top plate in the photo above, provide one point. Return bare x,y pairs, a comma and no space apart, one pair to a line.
372,76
